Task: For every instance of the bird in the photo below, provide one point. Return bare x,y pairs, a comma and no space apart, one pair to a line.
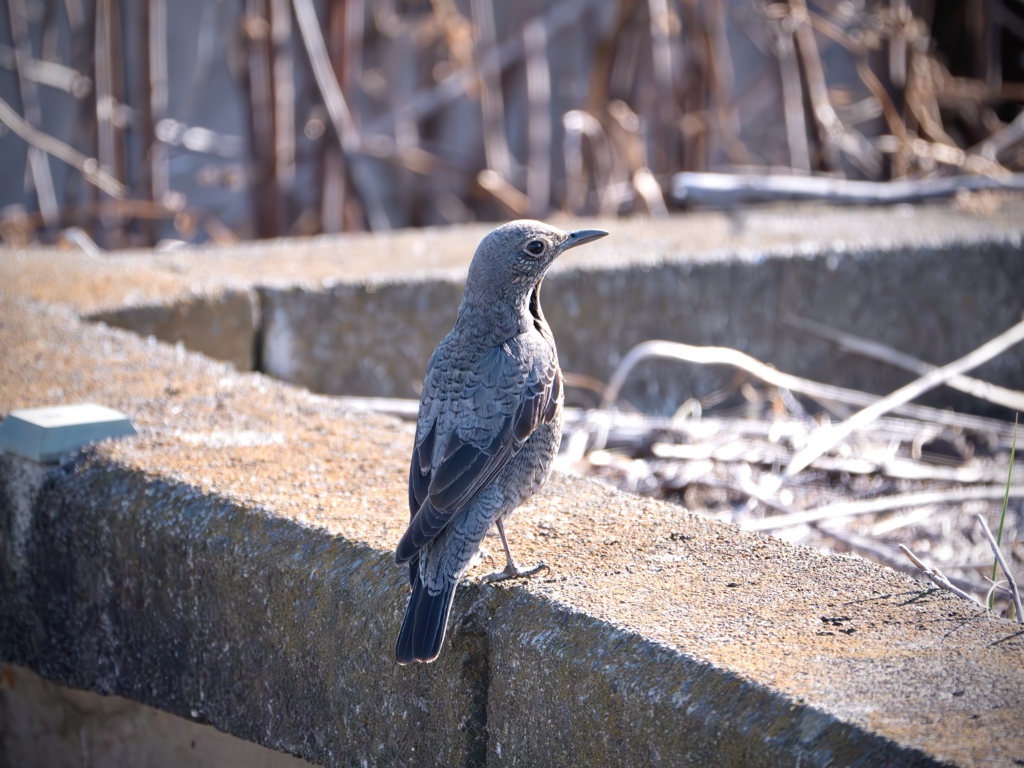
488,426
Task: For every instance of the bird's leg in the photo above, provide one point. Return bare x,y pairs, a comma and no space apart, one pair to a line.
512,571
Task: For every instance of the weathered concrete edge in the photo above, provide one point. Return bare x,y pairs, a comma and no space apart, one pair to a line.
144,587
222,323
137,585
318,337
701,715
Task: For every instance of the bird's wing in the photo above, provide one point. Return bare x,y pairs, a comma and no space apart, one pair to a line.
464,441
426,427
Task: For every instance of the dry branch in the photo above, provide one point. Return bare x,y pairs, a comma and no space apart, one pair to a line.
827,438
38,163
538,92
1006,569
341,117
792,102
424,104
86,165
658,89
160,183
743,448
982,390
936,576
886,555
671,350
284,93
492,101
735,189
49,73
883,504
830,128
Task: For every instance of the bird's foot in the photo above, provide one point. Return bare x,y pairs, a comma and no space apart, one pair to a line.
513,571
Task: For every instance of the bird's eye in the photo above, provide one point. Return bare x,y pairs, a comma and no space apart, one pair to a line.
535,247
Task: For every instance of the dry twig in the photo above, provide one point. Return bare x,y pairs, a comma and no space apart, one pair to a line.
735,189
827,438
881,553
538,90
883,504
982,390
492,101
87,165
1006,569
936,576
424,104
159,170
38,163
824,392
337,108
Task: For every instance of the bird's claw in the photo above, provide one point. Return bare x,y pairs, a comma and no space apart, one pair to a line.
513,571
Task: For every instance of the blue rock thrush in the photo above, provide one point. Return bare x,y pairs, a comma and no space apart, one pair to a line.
490,420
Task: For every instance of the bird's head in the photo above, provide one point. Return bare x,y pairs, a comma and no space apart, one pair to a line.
512,260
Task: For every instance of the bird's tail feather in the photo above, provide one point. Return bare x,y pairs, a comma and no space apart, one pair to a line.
426,619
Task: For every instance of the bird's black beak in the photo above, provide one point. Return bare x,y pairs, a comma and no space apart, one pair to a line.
581,236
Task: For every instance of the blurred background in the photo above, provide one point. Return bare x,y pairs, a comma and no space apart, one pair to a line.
150,122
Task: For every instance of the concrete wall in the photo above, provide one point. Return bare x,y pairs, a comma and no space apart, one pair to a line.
224,325
282,635
363,339
231,564
361,315
936,302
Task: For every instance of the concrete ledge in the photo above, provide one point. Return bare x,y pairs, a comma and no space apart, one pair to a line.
935,301
360,315
600,697
333,340
221,324
232,563
231,616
